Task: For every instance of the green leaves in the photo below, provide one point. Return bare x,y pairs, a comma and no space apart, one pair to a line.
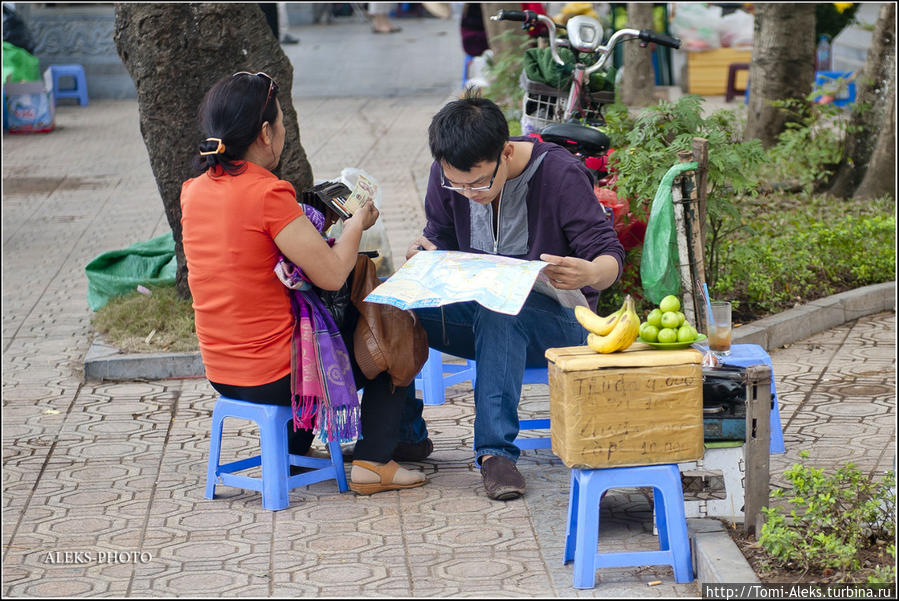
648,145
831,518
812,251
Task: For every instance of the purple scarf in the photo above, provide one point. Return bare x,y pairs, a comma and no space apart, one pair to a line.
323,392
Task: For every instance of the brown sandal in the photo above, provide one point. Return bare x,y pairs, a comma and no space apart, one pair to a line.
386,474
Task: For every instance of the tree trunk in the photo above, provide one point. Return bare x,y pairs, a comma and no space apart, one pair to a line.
174,52
873,110
782,67
638,82
495,29
880,174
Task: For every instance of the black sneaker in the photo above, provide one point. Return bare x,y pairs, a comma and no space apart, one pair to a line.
502,480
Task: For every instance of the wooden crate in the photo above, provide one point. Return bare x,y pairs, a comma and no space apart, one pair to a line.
707,71
638,407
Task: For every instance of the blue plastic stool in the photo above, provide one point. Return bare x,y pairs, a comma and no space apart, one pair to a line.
276,481
534,375
432,381
77,73
465,66
581,538
846,95
744,355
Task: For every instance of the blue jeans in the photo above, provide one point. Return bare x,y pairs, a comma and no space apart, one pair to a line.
503,345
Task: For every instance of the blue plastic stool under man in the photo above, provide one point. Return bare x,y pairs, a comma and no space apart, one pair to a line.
432,382
582,534
276,481
76,72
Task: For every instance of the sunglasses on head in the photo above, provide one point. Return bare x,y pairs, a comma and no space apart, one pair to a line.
272,88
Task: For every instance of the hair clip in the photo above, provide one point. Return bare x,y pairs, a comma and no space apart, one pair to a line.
220,149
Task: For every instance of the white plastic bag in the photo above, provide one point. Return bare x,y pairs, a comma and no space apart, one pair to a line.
375,237
697,26
736,29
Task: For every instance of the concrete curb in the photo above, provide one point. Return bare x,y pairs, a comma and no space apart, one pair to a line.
716,558
106,362
807,320
103,361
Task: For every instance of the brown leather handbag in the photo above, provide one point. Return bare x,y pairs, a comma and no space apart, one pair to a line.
386,338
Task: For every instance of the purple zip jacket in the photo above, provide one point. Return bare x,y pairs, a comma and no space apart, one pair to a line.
551,209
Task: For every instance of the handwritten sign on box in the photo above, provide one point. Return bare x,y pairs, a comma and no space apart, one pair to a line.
641,407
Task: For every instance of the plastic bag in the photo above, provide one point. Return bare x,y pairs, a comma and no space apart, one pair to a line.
659,266
696,24
29,108
375,237
736,29
118,272
19,64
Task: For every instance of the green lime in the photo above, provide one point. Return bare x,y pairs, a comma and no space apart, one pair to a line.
669,303
670,319
685,334
654,318
649,332
667,335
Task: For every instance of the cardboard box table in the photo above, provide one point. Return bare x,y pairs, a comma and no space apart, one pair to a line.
637,407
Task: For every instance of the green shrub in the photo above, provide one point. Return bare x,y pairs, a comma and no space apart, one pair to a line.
793,257
831,518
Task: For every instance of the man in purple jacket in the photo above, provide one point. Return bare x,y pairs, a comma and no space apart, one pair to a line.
518,198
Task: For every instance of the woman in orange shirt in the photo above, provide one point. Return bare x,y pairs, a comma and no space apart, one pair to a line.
238,221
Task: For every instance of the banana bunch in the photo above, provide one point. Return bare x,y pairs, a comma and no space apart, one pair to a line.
612,333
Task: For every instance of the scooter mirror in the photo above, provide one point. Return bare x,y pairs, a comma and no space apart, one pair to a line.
584,33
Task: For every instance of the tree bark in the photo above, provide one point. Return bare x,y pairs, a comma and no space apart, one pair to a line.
174,52
872,121
880,174
638,82
782,67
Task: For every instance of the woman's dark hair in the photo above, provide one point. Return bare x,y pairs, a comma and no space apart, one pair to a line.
233,111
467,131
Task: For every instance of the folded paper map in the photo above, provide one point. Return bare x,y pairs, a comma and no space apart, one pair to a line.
440,277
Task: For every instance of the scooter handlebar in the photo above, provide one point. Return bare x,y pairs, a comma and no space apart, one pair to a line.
647,35
510,15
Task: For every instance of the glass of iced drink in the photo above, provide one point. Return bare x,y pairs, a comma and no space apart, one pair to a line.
720,328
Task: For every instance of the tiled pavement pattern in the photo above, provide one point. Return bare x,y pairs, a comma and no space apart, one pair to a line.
118,469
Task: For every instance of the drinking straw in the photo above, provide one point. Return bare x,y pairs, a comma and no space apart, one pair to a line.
708,302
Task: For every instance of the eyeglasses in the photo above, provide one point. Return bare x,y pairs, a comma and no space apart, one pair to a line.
468,187
272,88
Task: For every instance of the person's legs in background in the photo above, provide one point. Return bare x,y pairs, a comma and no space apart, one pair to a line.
380,17
270,10
283,24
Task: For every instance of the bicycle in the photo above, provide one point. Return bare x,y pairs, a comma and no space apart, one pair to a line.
572,119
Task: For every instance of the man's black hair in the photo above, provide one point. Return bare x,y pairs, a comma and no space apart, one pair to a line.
468,131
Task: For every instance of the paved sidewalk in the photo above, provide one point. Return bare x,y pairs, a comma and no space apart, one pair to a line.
118,468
